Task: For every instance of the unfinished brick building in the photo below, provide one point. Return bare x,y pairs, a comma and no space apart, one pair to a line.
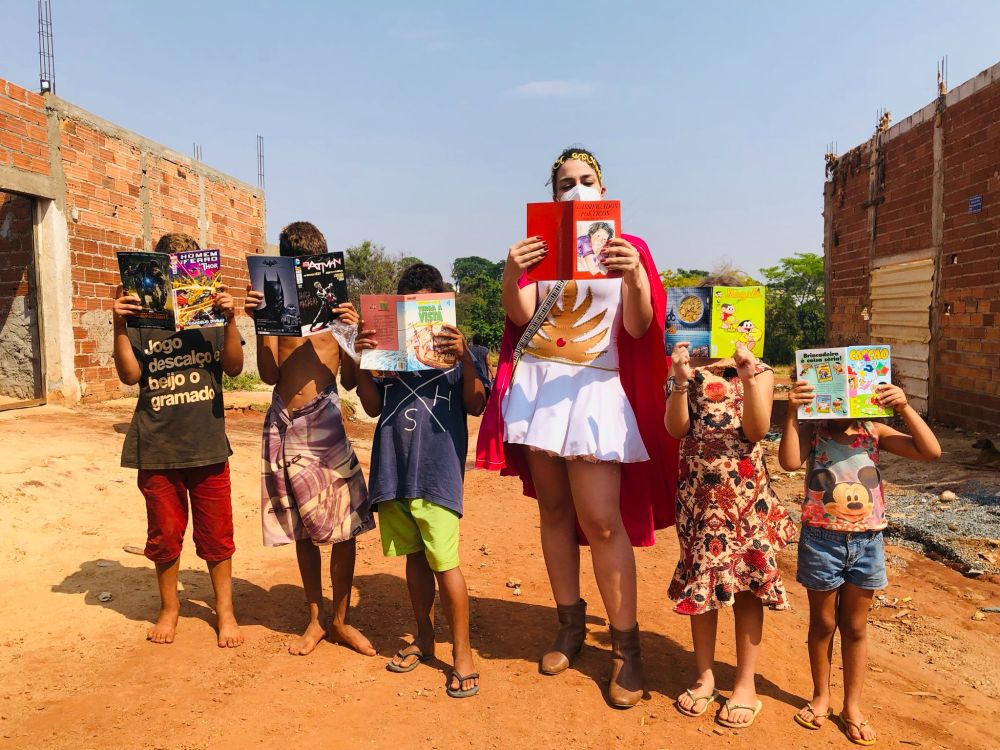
911,246
74,190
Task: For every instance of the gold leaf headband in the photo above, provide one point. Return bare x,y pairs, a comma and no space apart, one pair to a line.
581,156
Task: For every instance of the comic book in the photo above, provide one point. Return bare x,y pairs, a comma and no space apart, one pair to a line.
176,291
300,294
845,379
323,287
576,233
405,326
714,319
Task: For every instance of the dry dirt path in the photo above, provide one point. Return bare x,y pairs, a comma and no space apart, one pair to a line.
76,672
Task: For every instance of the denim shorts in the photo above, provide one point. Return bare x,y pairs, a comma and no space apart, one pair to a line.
829,559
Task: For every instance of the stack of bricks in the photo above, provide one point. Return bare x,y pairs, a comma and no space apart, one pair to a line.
24,137
964,316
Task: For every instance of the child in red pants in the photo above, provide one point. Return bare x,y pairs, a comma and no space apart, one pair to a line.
177,441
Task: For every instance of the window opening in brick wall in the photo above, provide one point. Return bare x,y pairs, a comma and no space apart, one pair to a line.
20,342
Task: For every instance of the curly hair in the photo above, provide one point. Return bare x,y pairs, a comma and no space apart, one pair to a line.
421,276
301,238
176,242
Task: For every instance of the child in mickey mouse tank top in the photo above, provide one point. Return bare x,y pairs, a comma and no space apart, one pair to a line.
841,550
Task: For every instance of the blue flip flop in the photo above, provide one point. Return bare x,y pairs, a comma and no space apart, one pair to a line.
404,654
462,693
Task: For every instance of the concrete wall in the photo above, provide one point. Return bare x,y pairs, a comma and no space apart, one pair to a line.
904,195
110,190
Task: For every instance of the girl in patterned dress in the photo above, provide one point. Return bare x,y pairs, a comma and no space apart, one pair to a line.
841,552
729,521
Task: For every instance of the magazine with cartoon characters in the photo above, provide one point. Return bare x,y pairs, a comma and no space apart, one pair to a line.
176,291
405,327
323,287
844,379
195,280
713,319
576,233
300,294
737,316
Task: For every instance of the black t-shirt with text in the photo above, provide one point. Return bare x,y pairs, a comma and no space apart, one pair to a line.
179,421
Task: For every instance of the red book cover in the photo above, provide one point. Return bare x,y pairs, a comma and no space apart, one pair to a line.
576,233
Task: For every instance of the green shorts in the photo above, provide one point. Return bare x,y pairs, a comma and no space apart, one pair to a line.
408,526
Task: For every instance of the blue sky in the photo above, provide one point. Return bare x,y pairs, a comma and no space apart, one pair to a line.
426,128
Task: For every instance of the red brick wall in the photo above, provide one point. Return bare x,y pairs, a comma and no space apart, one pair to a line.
965,388
104,184
847,256
104,216
24,138
966,383
173,198
904,215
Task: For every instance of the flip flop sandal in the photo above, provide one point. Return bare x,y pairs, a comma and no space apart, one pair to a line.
811,724
462,693
404,654
696,699
859,740
730,707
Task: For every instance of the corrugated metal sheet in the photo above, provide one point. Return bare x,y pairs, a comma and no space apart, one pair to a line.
901,295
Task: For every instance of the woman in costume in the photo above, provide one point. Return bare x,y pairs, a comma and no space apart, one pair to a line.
577,413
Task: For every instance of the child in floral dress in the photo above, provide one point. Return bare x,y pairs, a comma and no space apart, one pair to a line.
730,524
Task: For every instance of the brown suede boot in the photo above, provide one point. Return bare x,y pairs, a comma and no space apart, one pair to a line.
625,689
569,639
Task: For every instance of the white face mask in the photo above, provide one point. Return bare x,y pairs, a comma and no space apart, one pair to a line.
581,193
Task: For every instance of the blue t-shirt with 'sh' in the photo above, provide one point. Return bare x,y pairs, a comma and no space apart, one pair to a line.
421,439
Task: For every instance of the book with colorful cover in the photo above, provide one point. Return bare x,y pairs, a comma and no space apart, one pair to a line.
845,379
737,316
323,287
177,291
300,294
714,319
405,328
576,233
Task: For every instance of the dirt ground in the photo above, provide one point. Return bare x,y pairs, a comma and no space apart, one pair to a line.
76,671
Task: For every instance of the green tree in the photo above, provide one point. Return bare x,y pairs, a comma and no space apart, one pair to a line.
479,309
796,308
371,270
471,266
682,277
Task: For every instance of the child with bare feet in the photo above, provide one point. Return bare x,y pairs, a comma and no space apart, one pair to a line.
417,471
177,441
312,489
841,551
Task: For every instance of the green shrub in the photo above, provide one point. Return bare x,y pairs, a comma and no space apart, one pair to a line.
245,381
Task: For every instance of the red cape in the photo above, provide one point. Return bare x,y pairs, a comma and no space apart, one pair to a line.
648,489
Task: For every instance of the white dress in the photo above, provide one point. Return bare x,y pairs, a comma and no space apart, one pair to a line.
566,398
